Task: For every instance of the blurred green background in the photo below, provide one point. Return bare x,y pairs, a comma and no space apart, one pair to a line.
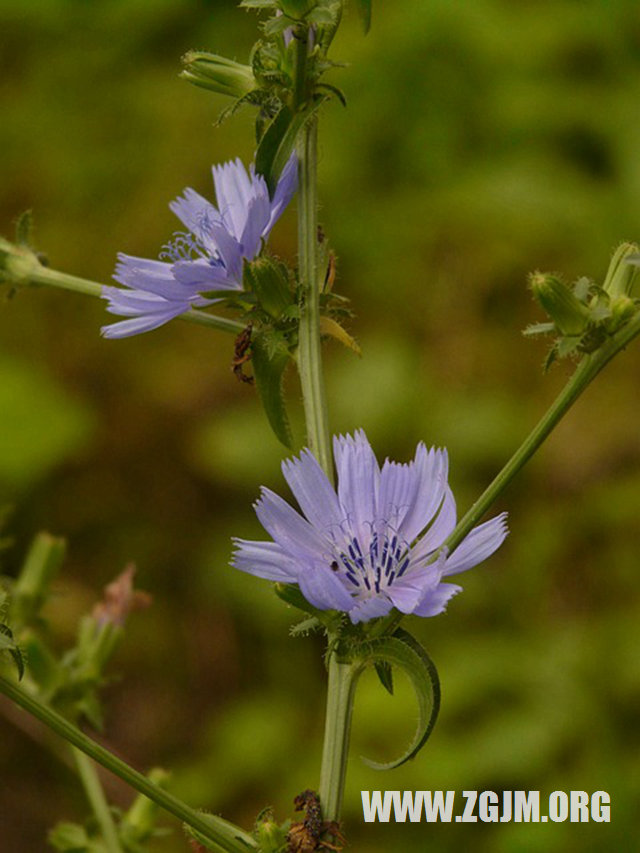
481,141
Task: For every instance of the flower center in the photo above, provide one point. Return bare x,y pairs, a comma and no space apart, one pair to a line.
376,567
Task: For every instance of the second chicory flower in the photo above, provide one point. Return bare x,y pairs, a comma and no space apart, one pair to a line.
206,258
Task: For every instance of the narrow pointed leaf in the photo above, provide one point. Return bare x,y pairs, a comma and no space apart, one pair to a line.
278,142
268,370
328,326
403,651
384,672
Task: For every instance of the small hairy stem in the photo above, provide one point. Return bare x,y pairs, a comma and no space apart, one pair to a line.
98,801
340,695
53,278
226,835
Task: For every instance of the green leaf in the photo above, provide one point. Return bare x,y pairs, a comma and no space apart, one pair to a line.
403,651
364,10
278,141
268,370
384,671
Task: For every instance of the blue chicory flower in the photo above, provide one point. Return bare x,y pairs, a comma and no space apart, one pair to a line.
376,543
207,257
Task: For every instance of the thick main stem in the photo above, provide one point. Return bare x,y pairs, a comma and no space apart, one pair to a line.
340,695
309,351
226,835
98,801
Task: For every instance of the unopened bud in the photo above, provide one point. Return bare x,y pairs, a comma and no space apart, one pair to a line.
623,275
217,73
569,314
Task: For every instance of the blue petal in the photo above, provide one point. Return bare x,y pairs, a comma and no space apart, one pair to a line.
143,323
430,472
313,491
230,251
478,545
397,490
370,608
287,527
358,482
322,588
257,219
441,528
264,560
284,191
436,600
200,275
234,191
193,210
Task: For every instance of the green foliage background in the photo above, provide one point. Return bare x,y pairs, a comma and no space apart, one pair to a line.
481,141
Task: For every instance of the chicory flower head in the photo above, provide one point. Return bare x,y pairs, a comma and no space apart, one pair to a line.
376,543
207,257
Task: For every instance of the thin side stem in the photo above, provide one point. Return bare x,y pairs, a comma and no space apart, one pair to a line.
340,695
98,801
226,835
584,374
309,352
53,278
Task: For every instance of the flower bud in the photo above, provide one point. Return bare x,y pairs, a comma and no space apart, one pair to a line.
269,281
569,314
623,275
217,73
17,263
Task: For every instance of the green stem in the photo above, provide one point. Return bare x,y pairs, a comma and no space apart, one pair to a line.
53,278
98,801
216,830
340,694
309,351
584,374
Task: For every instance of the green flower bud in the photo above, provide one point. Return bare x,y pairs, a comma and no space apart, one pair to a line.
17,263
269,281
218,74
623,275
569,315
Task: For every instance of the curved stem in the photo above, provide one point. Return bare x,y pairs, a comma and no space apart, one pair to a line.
98,801
309,350
340,695
53,278
226,835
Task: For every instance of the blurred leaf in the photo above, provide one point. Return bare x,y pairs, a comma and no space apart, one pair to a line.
40,425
